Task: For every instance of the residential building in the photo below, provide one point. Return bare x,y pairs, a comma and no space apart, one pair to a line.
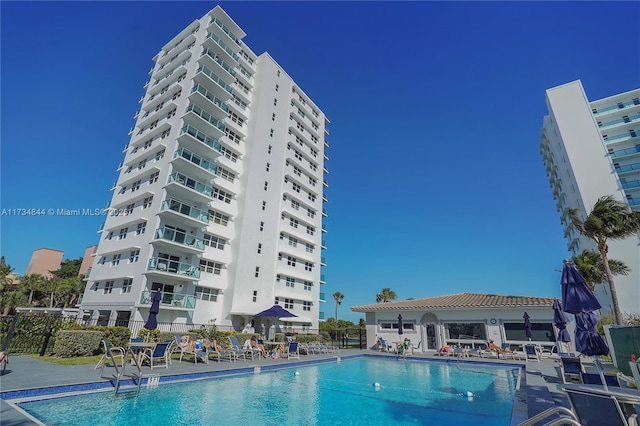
591,149
87,260
463,319
44,260
219,199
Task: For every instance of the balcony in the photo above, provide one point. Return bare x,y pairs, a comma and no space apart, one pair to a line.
628,168
172,267
172,300
198,139
625,152
614,108
200,91
631,119
207,165
322,279
180,238
205,191
184,210
631,184
214,41
633,201
211,77
322,297
214,124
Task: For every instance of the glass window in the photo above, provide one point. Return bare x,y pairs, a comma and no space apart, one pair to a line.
465,330
542,332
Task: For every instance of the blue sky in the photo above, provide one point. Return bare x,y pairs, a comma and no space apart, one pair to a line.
436,185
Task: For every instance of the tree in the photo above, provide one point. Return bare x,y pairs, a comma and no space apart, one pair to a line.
12,300
386,295
362,323
590,266
33,284
68,269
337,296
609,219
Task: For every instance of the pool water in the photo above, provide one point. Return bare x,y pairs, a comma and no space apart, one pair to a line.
343,393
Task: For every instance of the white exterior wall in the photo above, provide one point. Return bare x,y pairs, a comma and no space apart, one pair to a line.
581,171
178,82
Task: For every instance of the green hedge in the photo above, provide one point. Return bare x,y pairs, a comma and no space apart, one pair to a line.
72,343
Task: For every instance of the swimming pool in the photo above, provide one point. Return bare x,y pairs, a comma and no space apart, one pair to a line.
410,393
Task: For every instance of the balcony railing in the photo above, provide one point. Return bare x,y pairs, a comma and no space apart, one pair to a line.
211,143
179,237
624,152
322,299
173,267
176,300
628,168
191,184
614,107
196,159
206,117
224,46
216,101
224,28
631,119
633,201
206,71
185,209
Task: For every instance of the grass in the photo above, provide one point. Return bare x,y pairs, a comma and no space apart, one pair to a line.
80,360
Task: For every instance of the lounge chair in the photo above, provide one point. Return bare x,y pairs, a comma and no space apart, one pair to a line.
531,352
236,350
247,350
158,355
595,379
292,351
635,371
572,369
384,346
199,353
598,409
219,353
112,353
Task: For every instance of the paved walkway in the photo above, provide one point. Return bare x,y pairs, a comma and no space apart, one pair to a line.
539,386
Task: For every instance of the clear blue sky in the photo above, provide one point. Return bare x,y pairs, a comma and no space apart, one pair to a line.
436,185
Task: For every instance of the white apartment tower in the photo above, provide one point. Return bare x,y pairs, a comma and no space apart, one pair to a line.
219,199
592,149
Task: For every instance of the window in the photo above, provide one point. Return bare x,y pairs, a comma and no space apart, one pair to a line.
310,230
208,294
308,266
268,166
293,242
222,195
261,226
109,236
311,197
210,267
215,242
134,256
96,286
165,134
275,102
266,185
306,306
153,178
309,248
108,287
307,285
255,296
147,144
142,226
271,133
277,87
160,155
298,155
257,273
278,73
259,248
126,286
147,201
135,185
269,149
290,282
295,205
465,331
264,205
291,261
273,117
311,213
293,222
116,260
219,218
295,187
225,174
123,233
129,209
542,332
297,171
288,303
236,119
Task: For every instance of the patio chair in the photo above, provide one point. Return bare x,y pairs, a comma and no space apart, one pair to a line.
236,350
198,353
572,369
219,353
384,346
158,355
4,360
595,379
635,371
292,350
598,409
531,352
112,353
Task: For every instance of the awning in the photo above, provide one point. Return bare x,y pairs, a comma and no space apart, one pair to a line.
295,319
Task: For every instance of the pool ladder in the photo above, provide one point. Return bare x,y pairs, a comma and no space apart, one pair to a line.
120,373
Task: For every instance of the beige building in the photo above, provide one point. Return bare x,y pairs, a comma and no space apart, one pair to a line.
87,260
44,260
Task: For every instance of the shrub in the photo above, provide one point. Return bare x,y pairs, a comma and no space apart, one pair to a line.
70,343
149,335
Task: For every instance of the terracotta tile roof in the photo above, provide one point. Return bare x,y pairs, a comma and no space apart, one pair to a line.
459,301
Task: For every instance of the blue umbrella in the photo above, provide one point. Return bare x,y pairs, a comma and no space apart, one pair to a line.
576,296
400,331
276,311
152,321
527,325
560,320
588,340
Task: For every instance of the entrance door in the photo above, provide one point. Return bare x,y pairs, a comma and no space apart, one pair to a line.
431,336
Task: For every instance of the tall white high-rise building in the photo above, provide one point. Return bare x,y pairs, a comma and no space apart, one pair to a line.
591,149
219,199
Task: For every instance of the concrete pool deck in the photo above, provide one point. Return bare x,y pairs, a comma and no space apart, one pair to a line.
539,390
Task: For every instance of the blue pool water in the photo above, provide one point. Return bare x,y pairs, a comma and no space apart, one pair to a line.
410,393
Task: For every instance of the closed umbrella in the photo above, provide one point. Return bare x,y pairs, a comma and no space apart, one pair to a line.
580,301
560,320
527,325
152,321
400,331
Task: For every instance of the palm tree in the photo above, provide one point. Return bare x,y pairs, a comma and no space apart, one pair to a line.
590,265
32,283
609,219
338,298
386,295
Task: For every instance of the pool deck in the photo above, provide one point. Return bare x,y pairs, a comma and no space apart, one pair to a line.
539,388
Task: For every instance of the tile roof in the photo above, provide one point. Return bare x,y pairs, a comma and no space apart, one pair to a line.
459,301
